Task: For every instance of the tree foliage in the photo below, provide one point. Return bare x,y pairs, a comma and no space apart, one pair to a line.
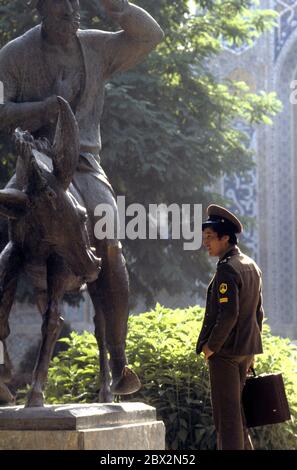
169,126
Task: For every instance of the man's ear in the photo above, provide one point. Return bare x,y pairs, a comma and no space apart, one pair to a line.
226,238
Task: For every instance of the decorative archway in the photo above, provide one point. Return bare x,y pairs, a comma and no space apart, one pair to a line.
282,200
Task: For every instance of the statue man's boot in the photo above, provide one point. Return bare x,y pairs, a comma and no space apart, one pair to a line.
6,396
124,380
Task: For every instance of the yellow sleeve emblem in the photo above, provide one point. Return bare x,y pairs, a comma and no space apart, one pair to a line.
223,288
224,300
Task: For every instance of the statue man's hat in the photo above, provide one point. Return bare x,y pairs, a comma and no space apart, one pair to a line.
220,217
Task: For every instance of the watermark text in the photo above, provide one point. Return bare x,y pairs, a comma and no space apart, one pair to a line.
157,221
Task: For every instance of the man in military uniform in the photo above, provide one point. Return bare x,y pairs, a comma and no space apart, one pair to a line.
231,330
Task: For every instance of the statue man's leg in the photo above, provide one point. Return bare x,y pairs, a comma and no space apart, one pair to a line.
10,263
8,284
113,285
115,292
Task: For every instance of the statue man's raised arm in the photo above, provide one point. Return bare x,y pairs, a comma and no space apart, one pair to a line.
122,50
140,35
135,21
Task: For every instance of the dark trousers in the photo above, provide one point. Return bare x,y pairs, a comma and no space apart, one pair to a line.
227,379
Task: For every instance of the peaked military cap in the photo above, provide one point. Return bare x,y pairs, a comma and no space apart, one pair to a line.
219,216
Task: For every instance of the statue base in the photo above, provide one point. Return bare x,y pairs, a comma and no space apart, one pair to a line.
122,426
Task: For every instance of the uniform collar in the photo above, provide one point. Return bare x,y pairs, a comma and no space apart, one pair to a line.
232,251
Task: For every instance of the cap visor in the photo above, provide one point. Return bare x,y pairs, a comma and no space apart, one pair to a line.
209,224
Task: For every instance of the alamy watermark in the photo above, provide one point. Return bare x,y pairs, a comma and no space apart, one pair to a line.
158,221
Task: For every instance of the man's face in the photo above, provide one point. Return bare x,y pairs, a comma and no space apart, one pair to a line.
61,16
215,246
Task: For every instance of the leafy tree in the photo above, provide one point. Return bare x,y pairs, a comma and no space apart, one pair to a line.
169,126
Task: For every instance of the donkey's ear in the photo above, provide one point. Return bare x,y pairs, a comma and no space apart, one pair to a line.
13,203
66,144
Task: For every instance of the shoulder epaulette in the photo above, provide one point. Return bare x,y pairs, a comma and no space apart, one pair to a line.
225,260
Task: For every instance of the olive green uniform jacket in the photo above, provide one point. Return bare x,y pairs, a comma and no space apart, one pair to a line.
234,311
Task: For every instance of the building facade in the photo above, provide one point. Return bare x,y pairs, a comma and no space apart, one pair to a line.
268,193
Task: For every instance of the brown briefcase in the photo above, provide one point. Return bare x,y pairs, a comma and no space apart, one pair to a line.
264,400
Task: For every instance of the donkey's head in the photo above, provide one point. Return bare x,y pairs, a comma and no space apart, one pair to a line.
30,169
44,199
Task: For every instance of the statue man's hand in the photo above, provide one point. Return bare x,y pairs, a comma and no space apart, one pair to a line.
67,87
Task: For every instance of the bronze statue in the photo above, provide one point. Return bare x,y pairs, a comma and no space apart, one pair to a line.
54,59
49,239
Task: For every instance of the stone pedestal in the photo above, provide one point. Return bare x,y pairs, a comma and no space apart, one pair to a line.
123,426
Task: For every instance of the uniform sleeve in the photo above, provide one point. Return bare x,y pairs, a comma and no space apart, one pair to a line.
227,292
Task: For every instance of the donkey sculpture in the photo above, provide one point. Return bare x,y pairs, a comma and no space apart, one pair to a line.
50,239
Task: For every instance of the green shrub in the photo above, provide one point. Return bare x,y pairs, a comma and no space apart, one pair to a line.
161,349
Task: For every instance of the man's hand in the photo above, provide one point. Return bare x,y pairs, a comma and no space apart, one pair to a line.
252,365
67,87
207,352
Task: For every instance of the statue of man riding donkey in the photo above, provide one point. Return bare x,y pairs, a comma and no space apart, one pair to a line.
53,78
